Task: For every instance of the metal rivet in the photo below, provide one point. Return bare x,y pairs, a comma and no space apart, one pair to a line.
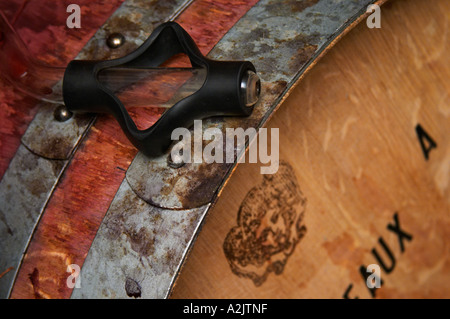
115,40
62,114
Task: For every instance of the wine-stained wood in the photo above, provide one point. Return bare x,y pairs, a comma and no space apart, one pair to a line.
78,205
363,177
51,42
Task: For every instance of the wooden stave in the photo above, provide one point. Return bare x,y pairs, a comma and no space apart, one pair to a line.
202,278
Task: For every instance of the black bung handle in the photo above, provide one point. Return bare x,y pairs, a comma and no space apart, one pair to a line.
231,88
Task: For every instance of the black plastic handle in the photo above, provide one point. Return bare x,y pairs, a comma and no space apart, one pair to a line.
221,93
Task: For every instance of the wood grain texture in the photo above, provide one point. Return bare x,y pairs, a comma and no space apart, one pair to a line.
208,21
348,131
78,205
51,42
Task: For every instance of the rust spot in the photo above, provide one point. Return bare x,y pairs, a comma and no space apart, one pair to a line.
304,46
114,227
133,288
303,55
55,144
57,166
208,178
281,8
278,87
36,187
6,271
115,224
28,163
171,261
203,179
299,6
8,228
131,26
51,139
190,228
156,218
120,23
36,179
141,241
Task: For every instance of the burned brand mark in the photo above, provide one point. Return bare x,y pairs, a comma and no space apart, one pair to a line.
269,226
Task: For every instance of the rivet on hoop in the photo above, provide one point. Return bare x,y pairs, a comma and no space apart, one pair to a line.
115,40
62,114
